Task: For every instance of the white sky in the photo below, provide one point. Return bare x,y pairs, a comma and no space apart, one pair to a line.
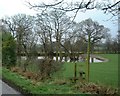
12,7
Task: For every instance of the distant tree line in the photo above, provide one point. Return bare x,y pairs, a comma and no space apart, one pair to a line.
54,32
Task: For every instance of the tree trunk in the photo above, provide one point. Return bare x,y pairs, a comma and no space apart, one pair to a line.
60,52
75,72
19,50
88,60
57,51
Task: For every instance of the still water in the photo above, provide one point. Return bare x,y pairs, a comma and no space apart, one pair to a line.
68,59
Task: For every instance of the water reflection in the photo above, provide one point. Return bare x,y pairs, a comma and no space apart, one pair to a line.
67,59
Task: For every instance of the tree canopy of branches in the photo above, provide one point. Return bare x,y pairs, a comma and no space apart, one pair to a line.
51,29
92,33
93,29
107,6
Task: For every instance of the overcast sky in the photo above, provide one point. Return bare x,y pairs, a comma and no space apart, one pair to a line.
12,7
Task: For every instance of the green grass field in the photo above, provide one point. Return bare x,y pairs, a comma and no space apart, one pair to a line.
105,73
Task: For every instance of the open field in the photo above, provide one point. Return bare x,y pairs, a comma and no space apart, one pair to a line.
101,72
106,72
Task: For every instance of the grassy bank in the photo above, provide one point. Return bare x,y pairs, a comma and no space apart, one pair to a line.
32,87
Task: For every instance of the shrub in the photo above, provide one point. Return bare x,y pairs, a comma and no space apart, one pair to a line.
8,50
47,67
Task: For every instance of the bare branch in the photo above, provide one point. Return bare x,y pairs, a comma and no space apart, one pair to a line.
107,8
44,5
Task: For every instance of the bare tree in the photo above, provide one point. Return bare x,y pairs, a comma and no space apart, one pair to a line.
54,24
111,44
94,29
118,38
45,32
108,43
93,33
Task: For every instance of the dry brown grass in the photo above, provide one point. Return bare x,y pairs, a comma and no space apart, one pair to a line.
93,88
27,74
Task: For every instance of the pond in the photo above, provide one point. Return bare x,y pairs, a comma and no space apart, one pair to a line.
68,59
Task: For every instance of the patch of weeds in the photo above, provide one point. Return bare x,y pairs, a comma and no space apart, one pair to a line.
92,88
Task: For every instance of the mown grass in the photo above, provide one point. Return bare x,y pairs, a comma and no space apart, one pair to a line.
105,73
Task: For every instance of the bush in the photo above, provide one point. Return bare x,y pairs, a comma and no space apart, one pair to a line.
47,67
8,49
